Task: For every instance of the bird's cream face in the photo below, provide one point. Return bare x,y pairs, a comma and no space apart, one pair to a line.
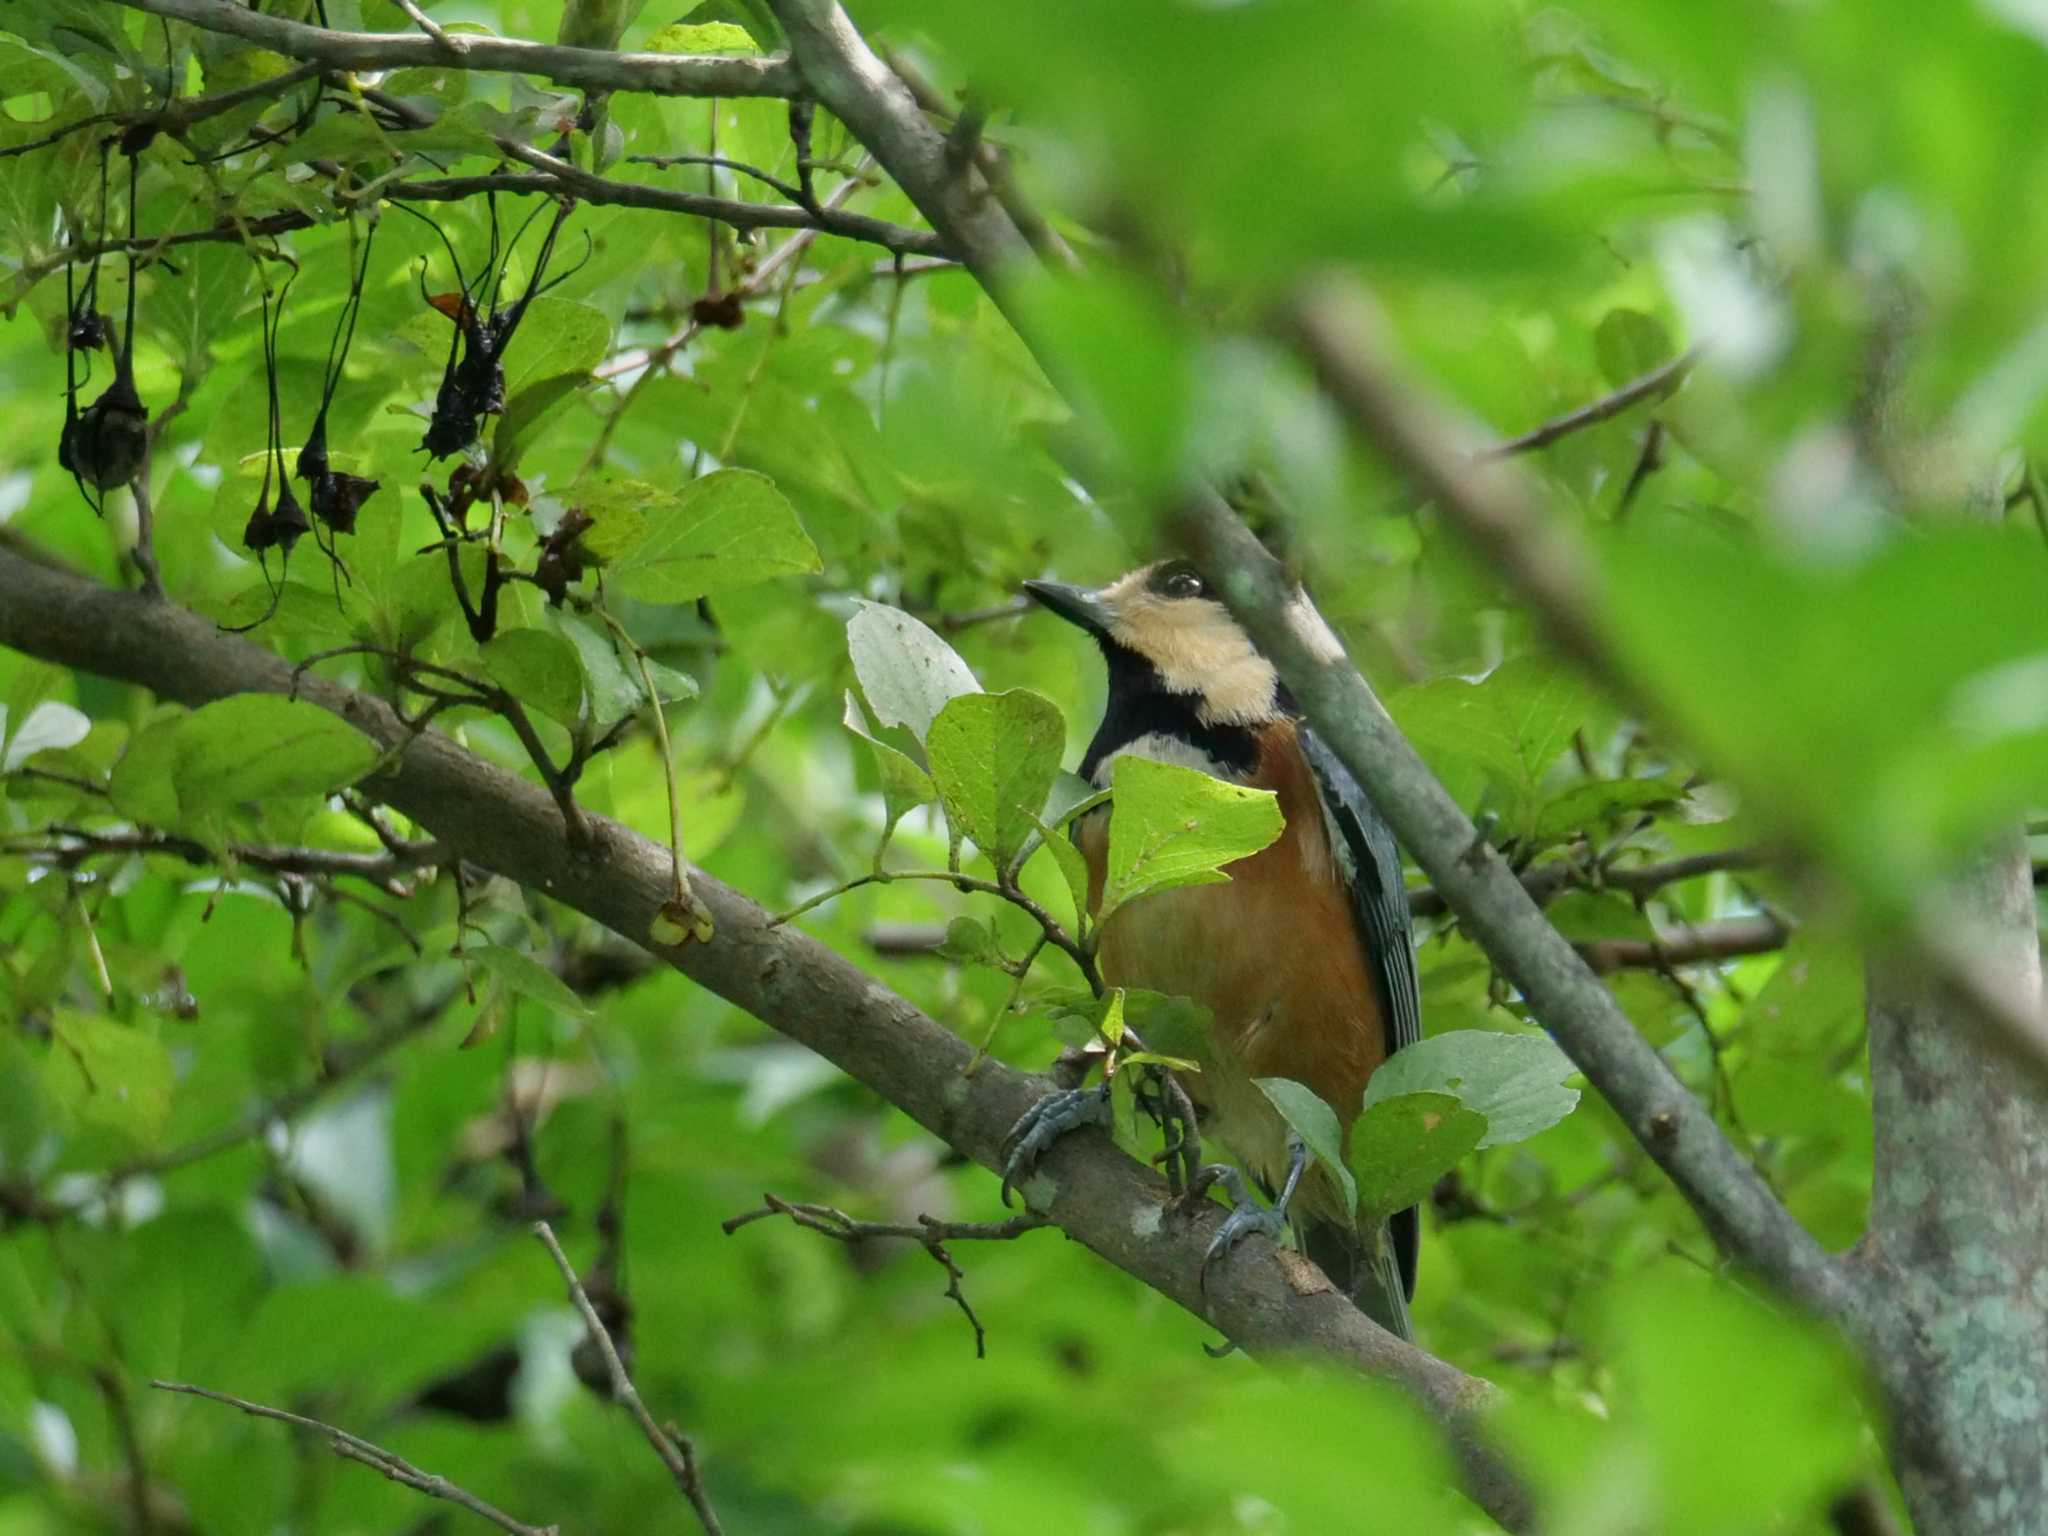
1167,615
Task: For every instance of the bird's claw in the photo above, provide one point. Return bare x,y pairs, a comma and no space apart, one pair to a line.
1066,1109
1246,1218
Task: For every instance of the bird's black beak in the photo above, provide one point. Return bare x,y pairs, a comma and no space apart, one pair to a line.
1077,605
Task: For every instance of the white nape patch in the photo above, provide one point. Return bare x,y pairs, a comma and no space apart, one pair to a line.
1312,630
1162,748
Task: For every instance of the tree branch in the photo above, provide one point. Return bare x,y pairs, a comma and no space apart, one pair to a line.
579,183
1659,381
1266,1302
1566,997
354,1448
1701,944
930,1233
676,1451
585,69
1495,510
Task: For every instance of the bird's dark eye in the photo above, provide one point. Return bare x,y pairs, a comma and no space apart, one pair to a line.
1182,582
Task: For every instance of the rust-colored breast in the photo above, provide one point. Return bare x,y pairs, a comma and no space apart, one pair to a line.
1276,954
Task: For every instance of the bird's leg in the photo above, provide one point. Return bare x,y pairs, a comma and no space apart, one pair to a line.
1247,1215
1061,1111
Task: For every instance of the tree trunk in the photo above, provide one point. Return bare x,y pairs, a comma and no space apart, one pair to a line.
1957,1253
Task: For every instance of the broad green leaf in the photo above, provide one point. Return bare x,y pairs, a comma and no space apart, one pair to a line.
1112,1026
1072,866
1170,1026
540,669
705,37
143,784
1316,1124
1515,1081
1597,801
528,977
1629,344
970,941
731,528
907,673
109,1076
260,746
559,342
612,689
993,757
905,786
49,726
1171,826
1401,1146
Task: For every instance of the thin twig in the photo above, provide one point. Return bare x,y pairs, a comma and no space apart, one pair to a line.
427,24
676,1451
354,1448
1703,944
1657,382
1547,881
576,182
929,1233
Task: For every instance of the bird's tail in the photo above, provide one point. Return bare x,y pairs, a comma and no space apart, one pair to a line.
1376,1270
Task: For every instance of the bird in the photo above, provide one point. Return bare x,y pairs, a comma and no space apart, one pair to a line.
1305,958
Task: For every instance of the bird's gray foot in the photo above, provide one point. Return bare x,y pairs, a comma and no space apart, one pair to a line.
1044,1123
1247,1216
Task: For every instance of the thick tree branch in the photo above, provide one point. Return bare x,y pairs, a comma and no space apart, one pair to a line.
1496,512
866,95
1570,1001
583,69
1267,1302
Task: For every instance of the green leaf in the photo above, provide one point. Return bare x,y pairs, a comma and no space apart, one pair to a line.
970,941
559,342
262,746
109,1076
1112,1025
1171,826
50,726
905,786
143,783
1174,1026
614,690
1072,866
1628,344
1515,1081
540,669
1401,1146
705,37
993,757
906,671
528,977
1316,1124
1596,802
732,528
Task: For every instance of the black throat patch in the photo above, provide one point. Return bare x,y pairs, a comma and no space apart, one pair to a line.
1140,705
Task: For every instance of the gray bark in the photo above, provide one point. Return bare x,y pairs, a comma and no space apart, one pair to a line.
1957,1252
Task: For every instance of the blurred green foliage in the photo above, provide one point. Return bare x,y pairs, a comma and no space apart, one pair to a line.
1836,203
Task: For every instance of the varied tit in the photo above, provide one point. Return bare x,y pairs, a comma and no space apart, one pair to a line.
1304,958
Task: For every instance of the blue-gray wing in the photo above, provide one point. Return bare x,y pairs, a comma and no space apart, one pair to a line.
1379,902
1379,898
